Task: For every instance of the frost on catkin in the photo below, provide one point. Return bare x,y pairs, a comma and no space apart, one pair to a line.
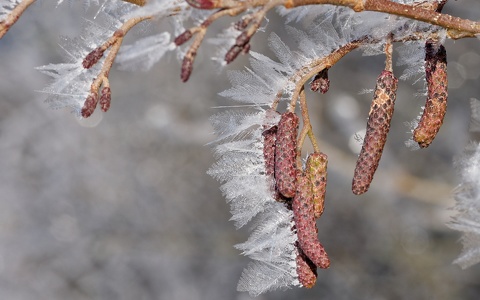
285,154
303,216
436,104
378,125
316,172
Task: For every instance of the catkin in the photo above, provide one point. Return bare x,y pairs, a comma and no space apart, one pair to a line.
437,94
316,172
306,269
269,138
302,206
285,154
378,125
269,149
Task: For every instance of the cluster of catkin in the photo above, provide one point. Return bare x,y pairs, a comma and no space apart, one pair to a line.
381,112
303,191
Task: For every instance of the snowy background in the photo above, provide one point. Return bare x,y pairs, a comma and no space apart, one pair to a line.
118,206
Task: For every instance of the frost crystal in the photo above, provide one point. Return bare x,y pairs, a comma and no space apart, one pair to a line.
467,196
144,53
71,81
241,168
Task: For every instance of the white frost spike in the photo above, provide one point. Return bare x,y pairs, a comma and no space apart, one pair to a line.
241,165
467,198
71,85
160,8
271,245
241,169
144,53
223,42
412,55
71,81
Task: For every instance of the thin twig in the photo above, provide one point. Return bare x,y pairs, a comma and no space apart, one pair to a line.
137,2
199,32
308,71
13,16
388,54
306,129
113,43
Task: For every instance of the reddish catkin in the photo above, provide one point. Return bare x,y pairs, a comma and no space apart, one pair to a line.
378,125
437,94
92,58
285,154
269,137
105,99
306,269
302,206
316,172
89,105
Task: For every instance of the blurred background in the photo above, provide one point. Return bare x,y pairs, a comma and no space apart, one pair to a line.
119,206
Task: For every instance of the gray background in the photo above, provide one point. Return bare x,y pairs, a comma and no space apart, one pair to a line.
120,207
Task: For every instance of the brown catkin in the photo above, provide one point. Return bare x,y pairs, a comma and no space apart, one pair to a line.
269,137
437,94
316,172
105,99
89,105
306,269
378,125
302,206
285,154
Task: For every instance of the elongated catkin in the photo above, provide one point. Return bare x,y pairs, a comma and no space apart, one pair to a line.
302,206
285,154
378,125
269,137
437,94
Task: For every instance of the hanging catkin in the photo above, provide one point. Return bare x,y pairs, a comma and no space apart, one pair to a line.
316,172
285,154
437,94
302,206
378,125
269,137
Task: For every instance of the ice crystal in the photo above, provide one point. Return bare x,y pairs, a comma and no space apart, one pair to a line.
71,81
467,197
161,8
241,168
144,53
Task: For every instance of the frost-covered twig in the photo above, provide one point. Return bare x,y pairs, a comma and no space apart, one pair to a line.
12,16
113,45
199,33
